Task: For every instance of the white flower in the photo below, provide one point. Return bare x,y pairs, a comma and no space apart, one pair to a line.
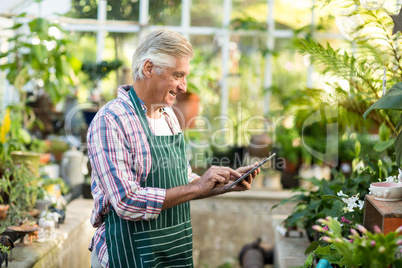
361,204
340,193
352,202
391,179
360,167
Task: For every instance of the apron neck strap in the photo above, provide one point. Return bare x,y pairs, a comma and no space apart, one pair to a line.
140,112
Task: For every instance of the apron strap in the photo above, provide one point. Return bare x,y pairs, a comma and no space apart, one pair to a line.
138,108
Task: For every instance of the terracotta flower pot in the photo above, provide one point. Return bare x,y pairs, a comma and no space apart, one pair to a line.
45,158
3,210
186,109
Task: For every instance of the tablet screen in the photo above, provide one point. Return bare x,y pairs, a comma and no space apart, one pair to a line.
245,175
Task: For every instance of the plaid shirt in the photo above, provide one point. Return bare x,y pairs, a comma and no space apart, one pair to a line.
121,160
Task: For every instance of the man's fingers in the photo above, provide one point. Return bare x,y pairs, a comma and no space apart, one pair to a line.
220,180
246,168
246,185
233,172
227,172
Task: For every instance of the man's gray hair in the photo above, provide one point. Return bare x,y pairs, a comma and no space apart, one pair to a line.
161,46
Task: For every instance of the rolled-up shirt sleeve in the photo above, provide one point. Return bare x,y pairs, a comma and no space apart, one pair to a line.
113,173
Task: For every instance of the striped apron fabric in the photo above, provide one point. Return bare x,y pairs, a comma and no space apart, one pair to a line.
167,240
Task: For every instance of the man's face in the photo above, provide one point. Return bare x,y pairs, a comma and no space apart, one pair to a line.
170,83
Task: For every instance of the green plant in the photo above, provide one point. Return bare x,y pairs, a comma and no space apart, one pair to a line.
37,58
325,198
2,229
391,101
98,71
4,249
57,146
288,142
46,181
13,136
360,248
361,74
22,190
312,205
38,145
40,57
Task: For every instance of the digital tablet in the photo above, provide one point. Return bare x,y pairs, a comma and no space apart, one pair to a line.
245,175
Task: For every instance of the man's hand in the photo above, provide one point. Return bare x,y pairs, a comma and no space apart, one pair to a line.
245,184
215,176
209,184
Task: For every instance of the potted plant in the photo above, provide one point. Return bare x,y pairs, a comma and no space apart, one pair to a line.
288,144
57,147
359,248
37,58
21,188
16,141
327,198
13,136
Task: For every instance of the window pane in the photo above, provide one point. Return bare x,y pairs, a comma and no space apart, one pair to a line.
166,12
207,13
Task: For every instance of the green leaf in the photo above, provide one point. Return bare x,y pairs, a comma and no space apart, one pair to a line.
6,66
313,246
382,145
332,259
384,132
296,217
75,63
332,197
398,149
326,189
391,101
397,263
22,15
15,26
358,147
335,227
24,136
294,198
65,66
333,210
21,78
39,52
354,216
314,204
323,250
309,261
41,27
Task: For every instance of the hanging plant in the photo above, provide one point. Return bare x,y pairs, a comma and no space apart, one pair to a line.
98,71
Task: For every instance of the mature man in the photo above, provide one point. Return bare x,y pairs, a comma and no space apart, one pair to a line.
141,180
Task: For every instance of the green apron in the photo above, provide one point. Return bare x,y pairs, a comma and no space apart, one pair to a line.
168,240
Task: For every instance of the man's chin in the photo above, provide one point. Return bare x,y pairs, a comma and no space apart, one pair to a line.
169,103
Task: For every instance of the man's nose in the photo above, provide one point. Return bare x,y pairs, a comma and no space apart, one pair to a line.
183,86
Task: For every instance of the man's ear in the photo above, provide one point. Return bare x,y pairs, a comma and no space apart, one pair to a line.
147,69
